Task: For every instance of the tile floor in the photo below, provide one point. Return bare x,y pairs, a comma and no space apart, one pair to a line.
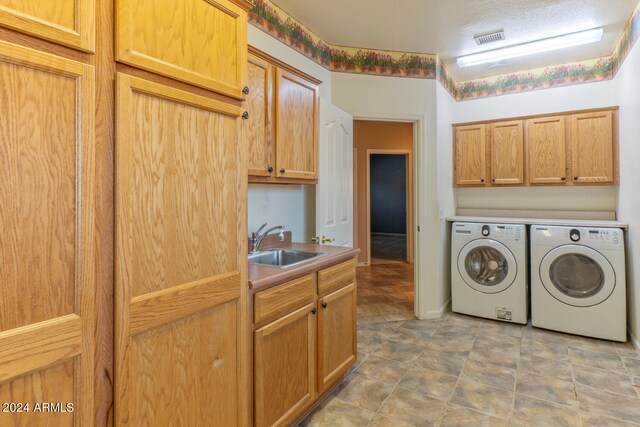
466,371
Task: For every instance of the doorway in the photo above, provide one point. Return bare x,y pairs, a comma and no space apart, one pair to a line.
389,206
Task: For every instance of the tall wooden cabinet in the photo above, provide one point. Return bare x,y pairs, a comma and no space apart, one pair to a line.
48,259
281,129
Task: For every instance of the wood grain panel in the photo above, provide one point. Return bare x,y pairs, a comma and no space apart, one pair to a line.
592,147
54,384
38,346
47,207
336,276
296,127
259,104
337,342
202,42
178,200
282,299
546,150
507,153
470,155
284,368
68,22
185,371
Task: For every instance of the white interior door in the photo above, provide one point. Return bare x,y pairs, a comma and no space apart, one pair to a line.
334,193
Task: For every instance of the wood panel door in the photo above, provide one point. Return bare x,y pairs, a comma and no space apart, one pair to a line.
546,150
258,130
47,253
296,127
284,367
470,155
592,147
202,42
180,269
507,153
337,344
67,22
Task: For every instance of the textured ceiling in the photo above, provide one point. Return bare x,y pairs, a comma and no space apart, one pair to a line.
447,27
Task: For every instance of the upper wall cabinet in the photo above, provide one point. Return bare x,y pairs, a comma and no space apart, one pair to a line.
202,42
67,22
507,146
573,148
281,126
592,147
296,127
259,124
470,155
546,150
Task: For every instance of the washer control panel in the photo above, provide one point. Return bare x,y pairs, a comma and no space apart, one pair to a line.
500,232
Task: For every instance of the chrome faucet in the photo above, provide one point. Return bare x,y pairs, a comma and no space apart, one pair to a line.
256,237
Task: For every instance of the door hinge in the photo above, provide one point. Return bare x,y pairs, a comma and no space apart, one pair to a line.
418,228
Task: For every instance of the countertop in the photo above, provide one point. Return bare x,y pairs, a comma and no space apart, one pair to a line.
263,276
541,221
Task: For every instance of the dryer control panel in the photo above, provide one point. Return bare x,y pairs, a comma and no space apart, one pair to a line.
598,238
500,232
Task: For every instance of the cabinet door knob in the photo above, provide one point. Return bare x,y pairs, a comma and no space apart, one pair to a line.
245,115
245,90
314,310
482,180
270,169
575,178
324,304
493,180
564,178
283,170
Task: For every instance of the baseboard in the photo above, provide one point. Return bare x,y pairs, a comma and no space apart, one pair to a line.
635,341
437,314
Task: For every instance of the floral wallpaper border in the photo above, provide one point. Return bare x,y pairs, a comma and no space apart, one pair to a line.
274,21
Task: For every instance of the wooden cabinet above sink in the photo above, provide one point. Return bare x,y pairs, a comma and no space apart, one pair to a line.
281,124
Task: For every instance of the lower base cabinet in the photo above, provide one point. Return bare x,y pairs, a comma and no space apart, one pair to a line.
303,353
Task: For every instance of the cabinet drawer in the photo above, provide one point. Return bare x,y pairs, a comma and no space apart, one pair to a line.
282,299
337,276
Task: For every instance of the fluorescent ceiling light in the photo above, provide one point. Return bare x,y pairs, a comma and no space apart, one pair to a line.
538,46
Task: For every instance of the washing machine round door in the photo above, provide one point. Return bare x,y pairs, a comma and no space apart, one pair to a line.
577,275
487,266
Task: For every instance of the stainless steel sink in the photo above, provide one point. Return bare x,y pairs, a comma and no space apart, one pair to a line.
282,257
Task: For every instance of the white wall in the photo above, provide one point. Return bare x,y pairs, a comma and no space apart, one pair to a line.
394,98
289,205
446,196
578,97
628,92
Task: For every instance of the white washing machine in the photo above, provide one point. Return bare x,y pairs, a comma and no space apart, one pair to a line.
489,271
578,281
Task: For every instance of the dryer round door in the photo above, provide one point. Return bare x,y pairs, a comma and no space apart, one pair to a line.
487,266
577,275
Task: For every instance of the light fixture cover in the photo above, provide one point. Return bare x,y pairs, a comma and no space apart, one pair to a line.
530,48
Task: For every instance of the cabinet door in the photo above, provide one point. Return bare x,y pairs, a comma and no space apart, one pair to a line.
470,155
546,150
507,157
180,259
336,335
67,22
47,217
284,368
202,42
296,127
592,147
259,127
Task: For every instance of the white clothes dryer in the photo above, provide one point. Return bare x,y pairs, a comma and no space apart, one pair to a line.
489,271
578,281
